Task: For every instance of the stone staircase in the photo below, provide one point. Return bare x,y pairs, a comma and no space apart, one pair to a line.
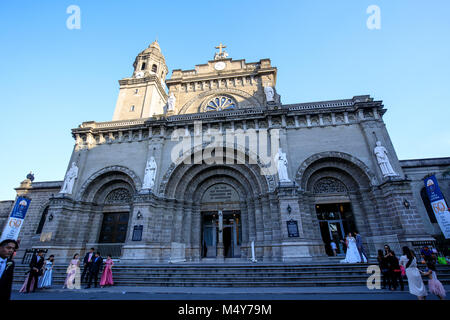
235,275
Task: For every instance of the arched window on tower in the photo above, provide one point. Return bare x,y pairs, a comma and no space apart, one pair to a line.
154,68
426,203
42,221
143,66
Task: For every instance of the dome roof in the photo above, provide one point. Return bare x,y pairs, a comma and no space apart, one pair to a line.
153,48
155,44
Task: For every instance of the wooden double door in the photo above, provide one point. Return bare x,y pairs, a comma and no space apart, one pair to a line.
114,227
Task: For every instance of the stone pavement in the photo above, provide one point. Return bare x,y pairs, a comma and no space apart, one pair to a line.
212,293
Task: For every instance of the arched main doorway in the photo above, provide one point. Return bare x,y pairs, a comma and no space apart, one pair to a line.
220,210
232,198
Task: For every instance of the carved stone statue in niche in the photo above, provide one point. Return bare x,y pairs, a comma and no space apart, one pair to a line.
171,102
270,94
383,161
69,180
281,160
150,174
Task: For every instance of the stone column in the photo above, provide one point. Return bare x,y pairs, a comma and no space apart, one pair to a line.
196,232
292,248
311,226
186,229
244,230
276,228
220,249
64,241
259,248
265,208
407,219
178,222
251,220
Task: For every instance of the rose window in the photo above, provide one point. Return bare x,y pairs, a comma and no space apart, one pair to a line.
220,103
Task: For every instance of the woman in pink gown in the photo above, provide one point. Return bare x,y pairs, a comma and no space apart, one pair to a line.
107,279
434,285
24,287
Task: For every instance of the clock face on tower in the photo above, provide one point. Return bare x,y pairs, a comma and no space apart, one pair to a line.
220,65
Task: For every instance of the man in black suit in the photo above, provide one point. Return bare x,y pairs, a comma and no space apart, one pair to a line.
87,262
7,249
96,267
36,264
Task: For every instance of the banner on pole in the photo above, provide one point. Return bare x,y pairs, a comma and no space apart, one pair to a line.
440,207
16,218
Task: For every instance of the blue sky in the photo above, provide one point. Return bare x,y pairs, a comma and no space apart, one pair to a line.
52,78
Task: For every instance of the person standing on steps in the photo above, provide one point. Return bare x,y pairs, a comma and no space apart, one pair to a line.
384,267
434,285
415,283
87,261
333,248
395,272
107,278
352,255
45,281
73,273
96,267
36,264
360,246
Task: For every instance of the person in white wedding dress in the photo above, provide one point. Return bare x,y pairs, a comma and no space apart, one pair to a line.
352,255
415,283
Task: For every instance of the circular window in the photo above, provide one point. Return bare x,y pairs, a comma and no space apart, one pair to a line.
220,103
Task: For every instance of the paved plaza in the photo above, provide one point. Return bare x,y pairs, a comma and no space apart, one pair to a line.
212,293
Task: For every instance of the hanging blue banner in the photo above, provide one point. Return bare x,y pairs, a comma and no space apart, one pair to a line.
438,204
16,218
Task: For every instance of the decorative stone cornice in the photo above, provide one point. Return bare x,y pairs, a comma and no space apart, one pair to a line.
420,163
153,78
360,109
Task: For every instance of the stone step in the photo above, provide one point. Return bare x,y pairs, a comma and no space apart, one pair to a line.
238,266
249,275
234,277
242,284
269,283
119,270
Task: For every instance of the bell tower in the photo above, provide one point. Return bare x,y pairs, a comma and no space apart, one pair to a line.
143,95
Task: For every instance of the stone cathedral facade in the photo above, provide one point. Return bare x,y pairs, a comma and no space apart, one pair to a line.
150,186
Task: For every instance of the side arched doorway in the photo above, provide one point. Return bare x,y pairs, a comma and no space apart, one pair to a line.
116,213
110,194
337,190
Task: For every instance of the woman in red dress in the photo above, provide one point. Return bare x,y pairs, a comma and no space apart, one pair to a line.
107,279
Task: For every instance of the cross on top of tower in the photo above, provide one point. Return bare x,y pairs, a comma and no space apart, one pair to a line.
222,54
220,47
